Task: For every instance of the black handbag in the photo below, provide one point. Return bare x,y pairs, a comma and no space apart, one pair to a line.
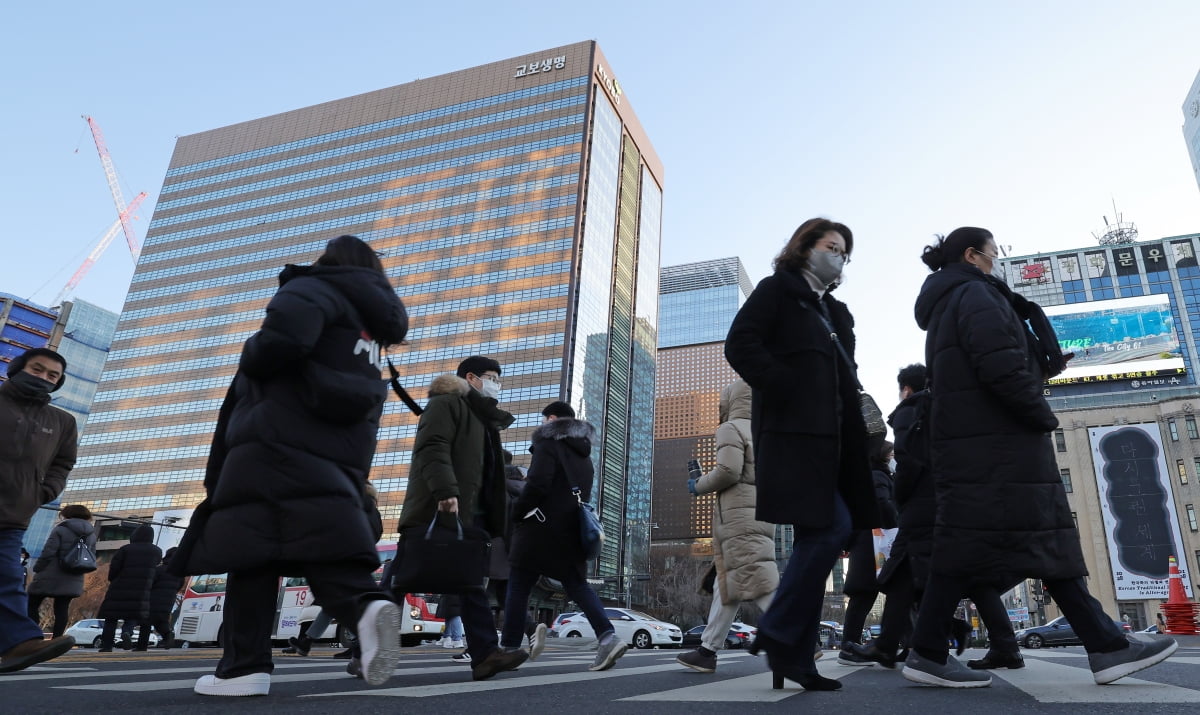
441,559
78,558
591,531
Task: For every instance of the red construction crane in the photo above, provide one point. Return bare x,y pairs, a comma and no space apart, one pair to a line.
100,248
135,247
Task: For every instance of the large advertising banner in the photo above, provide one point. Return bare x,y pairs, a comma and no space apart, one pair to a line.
1140,521
1119,339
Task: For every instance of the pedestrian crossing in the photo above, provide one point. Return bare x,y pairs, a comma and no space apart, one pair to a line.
1050,676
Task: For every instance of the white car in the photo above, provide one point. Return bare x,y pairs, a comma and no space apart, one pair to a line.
88,631
633,627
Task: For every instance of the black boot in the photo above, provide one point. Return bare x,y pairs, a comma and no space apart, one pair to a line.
995,659
299,646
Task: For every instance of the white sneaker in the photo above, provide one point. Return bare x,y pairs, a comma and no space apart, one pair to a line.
252,684
379,639
458,643
537,641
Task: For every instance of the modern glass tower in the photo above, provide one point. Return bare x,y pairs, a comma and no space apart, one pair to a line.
517,206
1191,125
697,306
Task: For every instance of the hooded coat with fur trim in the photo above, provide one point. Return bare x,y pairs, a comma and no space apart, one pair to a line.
743,547
1002,511
810,441
292,451
551,545
130,576
457,453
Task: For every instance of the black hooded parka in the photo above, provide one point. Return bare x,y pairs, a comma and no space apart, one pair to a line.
1002,511
130,576
296,434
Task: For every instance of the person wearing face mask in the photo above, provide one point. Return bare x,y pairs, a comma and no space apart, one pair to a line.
458,470
810,440
1001,509
37,450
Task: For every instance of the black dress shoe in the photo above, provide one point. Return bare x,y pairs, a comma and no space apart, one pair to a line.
1012,661
873,654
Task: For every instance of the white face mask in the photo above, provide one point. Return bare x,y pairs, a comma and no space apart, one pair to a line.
488,388
892,465
826,266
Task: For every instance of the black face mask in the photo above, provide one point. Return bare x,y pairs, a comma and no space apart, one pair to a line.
31,386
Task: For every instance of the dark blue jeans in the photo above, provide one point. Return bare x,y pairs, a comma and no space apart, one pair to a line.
15,624
516,604
795,612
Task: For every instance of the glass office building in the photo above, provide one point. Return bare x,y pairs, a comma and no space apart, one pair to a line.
1130,312
1191,126
697,305
517,207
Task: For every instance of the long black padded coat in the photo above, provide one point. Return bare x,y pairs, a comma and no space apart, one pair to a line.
130,575
561,456
915,501
1002,511
297,432
810,441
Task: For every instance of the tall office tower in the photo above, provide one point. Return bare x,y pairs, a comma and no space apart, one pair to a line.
81,333
697,305
1128,444
517,208
1191,125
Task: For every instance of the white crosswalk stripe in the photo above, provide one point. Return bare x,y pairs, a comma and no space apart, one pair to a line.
1050,682
1050,677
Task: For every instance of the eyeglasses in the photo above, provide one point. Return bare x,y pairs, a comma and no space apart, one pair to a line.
994,258
490,378
830,247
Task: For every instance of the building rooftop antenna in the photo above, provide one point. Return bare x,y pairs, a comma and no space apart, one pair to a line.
1116,234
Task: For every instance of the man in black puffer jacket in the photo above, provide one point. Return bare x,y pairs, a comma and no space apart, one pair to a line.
130,575
162,601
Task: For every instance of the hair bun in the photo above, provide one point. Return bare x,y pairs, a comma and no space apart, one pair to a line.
934,256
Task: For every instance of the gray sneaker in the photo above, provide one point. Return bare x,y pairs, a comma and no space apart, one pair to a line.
1107,667
701,659
537,641
607,654
951,675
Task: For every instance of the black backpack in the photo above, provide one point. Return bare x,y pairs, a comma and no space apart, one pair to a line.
78,558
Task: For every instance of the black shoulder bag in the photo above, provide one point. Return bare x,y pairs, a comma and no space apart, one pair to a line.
872,415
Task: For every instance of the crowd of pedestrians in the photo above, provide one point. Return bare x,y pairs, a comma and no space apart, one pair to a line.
288,492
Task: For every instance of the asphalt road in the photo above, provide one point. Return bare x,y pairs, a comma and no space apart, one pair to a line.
1054,681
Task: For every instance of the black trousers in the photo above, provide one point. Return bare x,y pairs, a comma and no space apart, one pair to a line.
1097,631
160,623
61,606
343,590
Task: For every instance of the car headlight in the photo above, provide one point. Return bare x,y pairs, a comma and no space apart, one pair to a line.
659,628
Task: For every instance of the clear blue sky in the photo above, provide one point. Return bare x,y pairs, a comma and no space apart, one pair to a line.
901,120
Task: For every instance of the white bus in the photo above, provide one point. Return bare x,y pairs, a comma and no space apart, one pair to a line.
199,617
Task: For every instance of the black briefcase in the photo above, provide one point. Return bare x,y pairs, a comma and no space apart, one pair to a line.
441,559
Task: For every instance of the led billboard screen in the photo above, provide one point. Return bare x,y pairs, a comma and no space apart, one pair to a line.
1120,339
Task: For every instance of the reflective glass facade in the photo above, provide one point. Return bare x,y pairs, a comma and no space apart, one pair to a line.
697,305
517,212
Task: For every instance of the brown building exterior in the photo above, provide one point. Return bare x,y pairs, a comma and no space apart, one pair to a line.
517,207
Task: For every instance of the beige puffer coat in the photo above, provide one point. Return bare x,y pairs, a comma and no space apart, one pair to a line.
743,547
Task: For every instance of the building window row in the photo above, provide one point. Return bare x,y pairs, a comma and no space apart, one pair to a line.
467,259
1065,475
370,218
206,321
569,120
391,176
182,345
148,433
408,249
146,455
135,480
387,199
178,408
382,125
